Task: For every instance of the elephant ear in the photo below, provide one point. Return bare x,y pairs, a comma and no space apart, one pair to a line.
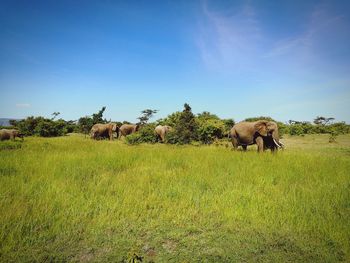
261,128
115,127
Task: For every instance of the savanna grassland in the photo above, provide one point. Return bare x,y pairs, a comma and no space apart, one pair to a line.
72,199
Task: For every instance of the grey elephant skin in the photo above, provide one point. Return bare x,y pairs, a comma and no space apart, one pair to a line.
262,132
100,130
162,130
7,134
127,129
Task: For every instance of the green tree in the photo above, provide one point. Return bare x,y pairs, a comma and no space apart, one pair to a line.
171,119
259,118
55,114
210,127
185,129
97,117
146,115
85,123
320,120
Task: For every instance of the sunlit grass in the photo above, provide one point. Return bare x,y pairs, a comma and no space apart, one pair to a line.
74,199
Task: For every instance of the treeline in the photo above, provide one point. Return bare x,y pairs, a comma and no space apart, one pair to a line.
187,127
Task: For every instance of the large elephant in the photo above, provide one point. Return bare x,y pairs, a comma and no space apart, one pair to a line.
162,130
262,132
100,130
127,129
6,134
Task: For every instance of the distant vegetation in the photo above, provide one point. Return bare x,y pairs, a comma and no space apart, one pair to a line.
203,128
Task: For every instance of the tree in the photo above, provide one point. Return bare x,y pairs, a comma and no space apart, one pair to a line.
185,129
85,123
44,127
97,117
210,127
259,118
146,115
206,115
320,120
55,114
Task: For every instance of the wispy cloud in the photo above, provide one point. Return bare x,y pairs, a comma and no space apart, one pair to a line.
22,105
317,30
227,39
237,40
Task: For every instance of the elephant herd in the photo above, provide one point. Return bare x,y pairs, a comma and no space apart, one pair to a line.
263,133
106,130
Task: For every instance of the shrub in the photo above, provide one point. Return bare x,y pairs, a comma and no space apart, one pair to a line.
333,136
296,129
210,129
259,118
85,123
185,127
228,125
171,119
145,134
41,126
171,137
340,127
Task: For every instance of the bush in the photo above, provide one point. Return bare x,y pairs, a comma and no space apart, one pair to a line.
185,127
41,126
333,136
229,123
85,123
145,134
210,129
296,129
171,120
259,118
171,137
340,127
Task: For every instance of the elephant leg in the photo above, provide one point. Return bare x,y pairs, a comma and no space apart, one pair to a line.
244,147
234,143
274,149
260,143
110,133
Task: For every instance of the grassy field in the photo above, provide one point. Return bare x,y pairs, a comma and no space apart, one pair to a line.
77,200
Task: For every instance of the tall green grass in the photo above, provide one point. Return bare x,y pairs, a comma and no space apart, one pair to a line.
74,199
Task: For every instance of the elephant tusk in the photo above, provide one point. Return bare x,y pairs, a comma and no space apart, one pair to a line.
278,144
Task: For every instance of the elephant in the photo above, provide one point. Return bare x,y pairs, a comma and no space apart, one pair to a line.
100,130
162,130
6,134
127,129
262,132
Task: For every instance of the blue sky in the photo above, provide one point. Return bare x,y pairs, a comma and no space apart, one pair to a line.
237,59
